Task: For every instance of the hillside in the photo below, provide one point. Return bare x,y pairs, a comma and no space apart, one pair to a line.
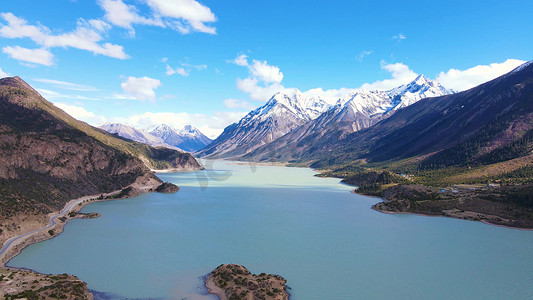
471,153
47,158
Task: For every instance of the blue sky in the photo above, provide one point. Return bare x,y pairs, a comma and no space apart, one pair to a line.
208,63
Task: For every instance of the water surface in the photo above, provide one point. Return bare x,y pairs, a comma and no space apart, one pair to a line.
324,240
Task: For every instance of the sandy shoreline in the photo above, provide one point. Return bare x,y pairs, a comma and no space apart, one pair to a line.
213,289
14,245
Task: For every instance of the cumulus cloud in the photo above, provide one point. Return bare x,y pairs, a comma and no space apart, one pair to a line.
80,113
266,72
181,71
460,80
3,74
184,16
235,103
122,15
241,60
401,74
264,80
142,88
87,36
33,56
259,91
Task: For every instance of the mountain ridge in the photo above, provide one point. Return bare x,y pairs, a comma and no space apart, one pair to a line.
287,119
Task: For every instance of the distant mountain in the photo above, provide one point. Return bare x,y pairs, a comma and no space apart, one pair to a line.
281,114
488,124
359,110
48,158
137,135
188,138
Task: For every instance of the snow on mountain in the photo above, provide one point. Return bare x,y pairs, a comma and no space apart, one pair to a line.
419,88
187,138
282,113
136,135
298,116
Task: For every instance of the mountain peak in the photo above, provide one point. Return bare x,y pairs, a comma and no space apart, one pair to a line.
15,81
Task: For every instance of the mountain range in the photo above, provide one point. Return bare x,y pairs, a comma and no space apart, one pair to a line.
296,121
187,139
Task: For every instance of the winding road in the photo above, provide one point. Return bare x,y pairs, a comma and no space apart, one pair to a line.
7,245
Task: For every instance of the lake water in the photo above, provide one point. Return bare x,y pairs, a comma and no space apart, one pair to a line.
324,240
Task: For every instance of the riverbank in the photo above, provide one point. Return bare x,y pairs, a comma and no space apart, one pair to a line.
15,281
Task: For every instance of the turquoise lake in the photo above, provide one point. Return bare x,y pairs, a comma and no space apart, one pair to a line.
324,240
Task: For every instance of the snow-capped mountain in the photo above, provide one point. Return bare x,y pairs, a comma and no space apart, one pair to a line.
419,88
137,135
359,110
281,114
187,138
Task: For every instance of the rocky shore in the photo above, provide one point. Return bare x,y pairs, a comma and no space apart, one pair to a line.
236,282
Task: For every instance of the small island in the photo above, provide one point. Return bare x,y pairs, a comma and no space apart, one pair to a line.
231,281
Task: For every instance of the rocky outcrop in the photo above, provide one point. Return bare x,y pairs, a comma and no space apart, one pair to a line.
167,188
236,282
25,284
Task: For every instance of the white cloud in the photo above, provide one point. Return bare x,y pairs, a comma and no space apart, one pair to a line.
265,72
86,36
399,37
185,15
142,88
80,113
182,15
241,60
401,74
181,71
235,103
362,55
67,85
184,70
122,15
34,56
3,74
260,93
460,80
264,80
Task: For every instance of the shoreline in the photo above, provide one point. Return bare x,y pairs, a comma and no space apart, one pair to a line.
354,191
435,216
14,245
213,289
